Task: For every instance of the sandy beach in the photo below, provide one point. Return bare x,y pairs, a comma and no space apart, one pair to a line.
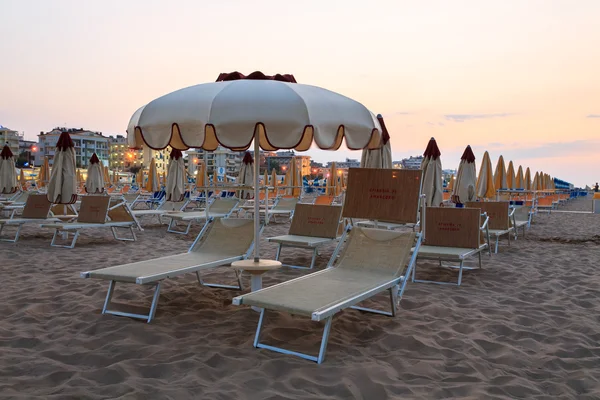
526,326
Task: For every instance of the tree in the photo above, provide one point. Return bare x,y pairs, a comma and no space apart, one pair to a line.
136,168
23,158
274,165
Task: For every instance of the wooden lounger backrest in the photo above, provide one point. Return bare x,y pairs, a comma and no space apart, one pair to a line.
37,206
93,209
497,211
383,194
453,227
545,201
316,221
324,200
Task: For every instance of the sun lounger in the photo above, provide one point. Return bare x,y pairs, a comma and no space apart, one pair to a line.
96,212
522,218
545,204
501,219
312,227
455,235
219,243
372,260
282,206
35,211
221,207
164,208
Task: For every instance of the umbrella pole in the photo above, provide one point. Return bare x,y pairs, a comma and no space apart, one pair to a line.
256,205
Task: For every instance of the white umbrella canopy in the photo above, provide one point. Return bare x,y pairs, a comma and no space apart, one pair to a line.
176,177
95,176
466,178
246,175
432,175
8,172
271,112
379,158
62,188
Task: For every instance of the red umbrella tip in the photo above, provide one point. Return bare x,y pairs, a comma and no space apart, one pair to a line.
6,153
468,155
248,158
256,75
94,159
385,136
176,154
432,150
64,142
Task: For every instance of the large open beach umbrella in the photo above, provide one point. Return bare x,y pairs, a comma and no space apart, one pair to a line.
152,184
95,176
432,175
270,112
62,187
176,177
382,157
246,175
485,180
8,172
527,181
500,175
466,178
511,181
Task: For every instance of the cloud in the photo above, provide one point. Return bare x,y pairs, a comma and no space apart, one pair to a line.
593,116
468,117
546,150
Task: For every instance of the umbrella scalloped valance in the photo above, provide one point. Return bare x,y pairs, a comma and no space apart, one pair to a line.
234,110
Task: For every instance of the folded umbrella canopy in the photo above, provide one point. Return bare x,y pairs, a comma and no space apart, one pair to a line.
274,182
535,185
432,175
500,175
139,178
200,174
379,158
332,182
295,179
511,181
22,180
271,112
246,175
466,178
152,184
8,172
44,173
527,181
520,180
95,176
450,186
62,187
176,177
485,181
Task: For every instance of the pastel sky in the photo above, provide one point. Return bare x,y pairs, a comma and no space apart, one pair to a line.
517,78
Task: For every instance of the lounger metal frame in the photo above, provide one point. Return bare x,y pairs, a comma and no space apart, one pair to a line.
315,253
395,287
58,232
156,280
461,258
15,238
173,222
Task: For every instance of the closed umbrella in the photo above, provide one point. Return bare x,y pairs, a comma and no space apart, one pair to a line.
95,179
332,182
542,181
44,173
535,185
500,175
382,157
450,186
8,172
152,184
432,175
511,182
266,178
527,181
466,178
274,182
115,178
295,180
62,187
106,175
270,112
246,175
485,181
22,180
139,178
200,175
176,177
520,181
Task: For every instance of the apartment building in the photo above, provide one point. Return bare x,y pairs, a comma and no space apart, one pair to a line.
86,143
11,138
284,159
222,161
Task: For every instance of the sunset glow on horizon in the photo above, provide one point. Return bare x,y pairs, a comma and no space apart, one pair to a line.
515,78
